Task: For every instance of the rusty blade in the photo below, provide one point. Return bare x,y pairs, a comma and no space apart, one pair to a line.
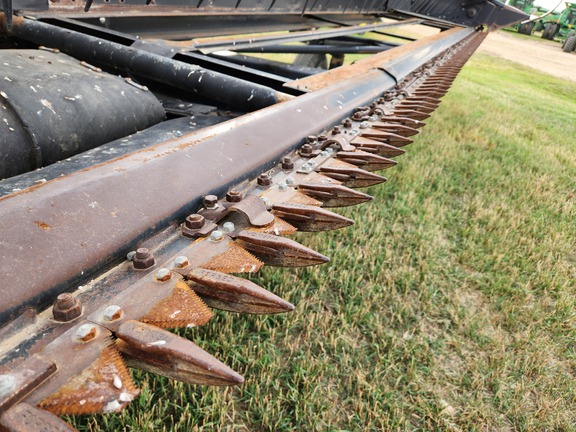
158,351
279,251
311,218
183,308
365,160
334,195
406,121
234,294
412,113
352,177
27,418
300,198
386,137
377,147
279,227
105,386
405,131
419,106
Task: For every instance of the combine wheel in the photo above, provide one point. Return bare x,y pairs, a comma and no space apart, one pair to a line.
568,36
522,29
553,31
570,44
530,28
539,26
546,31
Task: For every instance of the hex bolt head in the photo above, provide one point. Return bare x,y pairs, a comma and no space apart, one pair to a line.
282,186
234,196
86,332
347,123
290,181
181,261
312,163
306,150
287,163
143,259
112,313
336,130
324,153
195,221
311,138
7,384
306,168
264,180
216,235
228,227
210,201
163,275
66,308
364,125
266,202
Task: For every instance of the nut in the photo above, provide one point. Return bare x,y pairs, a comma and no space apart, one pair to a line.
264,180
287,163
195,221
347,123
306,150
66,308
290,181
336,130
210,201
112,313
282,186
86,332
143,259
311,139
234,196
228,227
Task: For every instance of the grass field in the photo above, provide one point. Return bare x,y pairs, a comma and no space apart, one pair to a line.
450,305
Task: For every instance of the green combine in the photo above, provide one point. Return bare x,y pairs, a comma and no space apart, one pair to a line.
562,27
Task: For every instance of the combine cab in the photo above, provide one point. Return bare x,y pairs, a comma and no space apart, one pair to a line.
153,152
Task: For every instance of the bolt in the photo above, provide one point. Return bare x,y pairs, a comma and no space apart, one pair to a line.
373,117
181,261
354,131
210,201
86,332
324,153
234,196
322,138
266,201
177,133
216,235
195,221
312,139
306,150
143,259
347,123
306,168
264,180
330,150
282,186
290,181
364,125
312,163
7,384
130,255
287,163
66,308
336,130
228,227
112,313
163,275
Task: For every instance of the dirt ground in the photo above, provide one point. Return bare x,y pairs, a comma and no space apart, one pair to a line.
545,56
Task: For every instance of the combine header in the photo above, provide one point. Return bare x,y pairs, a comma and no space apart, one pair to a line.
149,158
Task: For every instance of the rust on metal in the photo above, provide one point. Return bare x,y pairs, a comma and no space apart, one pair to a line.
231,293
365,160
66,308
352,177
158,351
25,417
311,218
333,195
377,147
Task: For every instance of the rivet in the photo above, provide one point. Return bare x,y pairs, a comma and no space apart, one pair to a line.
181,261
112,313
228,227
86,332
163,275
216,235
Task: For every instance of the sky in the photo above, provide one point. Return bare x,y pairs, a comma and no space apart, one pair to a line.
549,4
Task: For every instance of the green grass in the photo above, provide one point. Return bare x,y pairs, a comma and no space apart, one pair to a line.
450,305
